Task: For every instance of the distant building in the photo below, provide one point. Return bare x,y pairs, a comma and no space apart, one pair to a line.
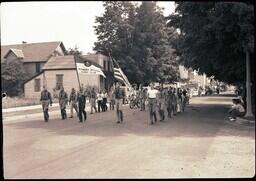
192,77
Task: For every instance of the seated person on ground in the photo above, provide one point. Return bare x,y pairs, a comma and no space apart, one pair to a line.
237,110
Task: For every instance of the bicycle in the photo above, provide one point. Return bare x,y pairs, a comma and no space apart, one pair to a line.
134,102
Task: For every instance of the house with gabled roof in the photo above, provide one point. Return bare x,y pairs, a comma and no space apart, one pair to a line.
61,71
32,55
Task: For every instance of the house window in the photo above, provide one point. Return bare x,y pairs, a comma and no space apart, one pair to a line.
59,81
37,85
37,67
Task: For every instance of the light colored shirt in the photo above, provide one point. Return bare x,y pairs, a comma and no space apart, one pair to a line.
238,107
104,95
152,93
100,98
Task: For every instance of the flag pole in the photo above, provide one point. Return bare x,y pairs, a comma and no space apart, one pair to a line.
112,63
75,57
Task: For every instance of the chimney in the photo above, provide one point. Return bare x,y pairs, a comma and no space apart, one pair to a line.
24,42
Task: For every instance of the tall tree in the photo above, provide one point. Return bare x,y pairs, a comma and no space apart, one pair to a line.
12,77
214,37
73,51
137,36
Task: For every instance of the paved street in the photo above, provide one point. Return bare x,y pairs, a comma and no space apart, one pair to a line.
196,143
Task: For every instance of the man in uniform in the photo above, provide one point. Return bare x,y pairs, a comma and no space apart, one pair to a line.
142,97
63,100
46,99
161,103
73,102
111,99
174,101
81,106
119,95
152,102
169,102
93,97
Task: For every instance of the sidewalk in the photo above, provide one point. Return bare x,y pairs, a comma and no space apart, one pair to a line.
38,115
25,108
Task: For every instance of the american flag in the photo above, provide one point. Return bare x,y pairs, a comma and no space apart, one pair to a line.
118,73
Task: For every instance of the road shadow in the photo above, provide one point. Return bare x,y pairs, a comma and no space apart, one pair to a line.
198,120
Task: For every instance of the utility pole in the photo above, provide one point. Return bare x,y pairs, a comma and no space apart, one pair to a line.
248,87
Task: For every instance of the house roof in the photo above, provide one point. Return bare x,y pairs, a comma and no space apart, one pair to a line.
32,52
17,52
60,62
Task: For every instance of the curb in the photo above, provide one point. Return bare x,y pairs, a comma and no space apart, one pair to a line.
248,124
245,121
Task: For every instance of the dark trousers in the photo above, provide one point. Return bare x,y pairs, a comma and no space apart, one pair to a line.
161,113
235,113
99,106
63,113
46,115
104,105
169,110
82,115
142,104
45,105
153,115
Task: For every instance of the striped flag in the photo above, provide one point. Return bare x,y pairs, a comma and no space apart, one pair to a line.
118,73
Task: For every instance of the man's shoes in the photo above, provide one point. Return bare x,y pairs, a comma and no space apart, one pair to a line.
232,119
118,122
71,117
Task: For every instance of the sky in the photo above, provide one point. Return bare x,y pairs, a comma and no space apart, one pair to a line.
69,22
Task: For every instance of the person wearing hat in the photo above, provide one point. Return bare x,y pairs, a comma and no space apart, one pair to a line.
46,99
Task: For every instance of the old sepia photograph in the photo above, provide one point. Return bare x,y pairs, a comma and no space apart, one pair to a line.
127,89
